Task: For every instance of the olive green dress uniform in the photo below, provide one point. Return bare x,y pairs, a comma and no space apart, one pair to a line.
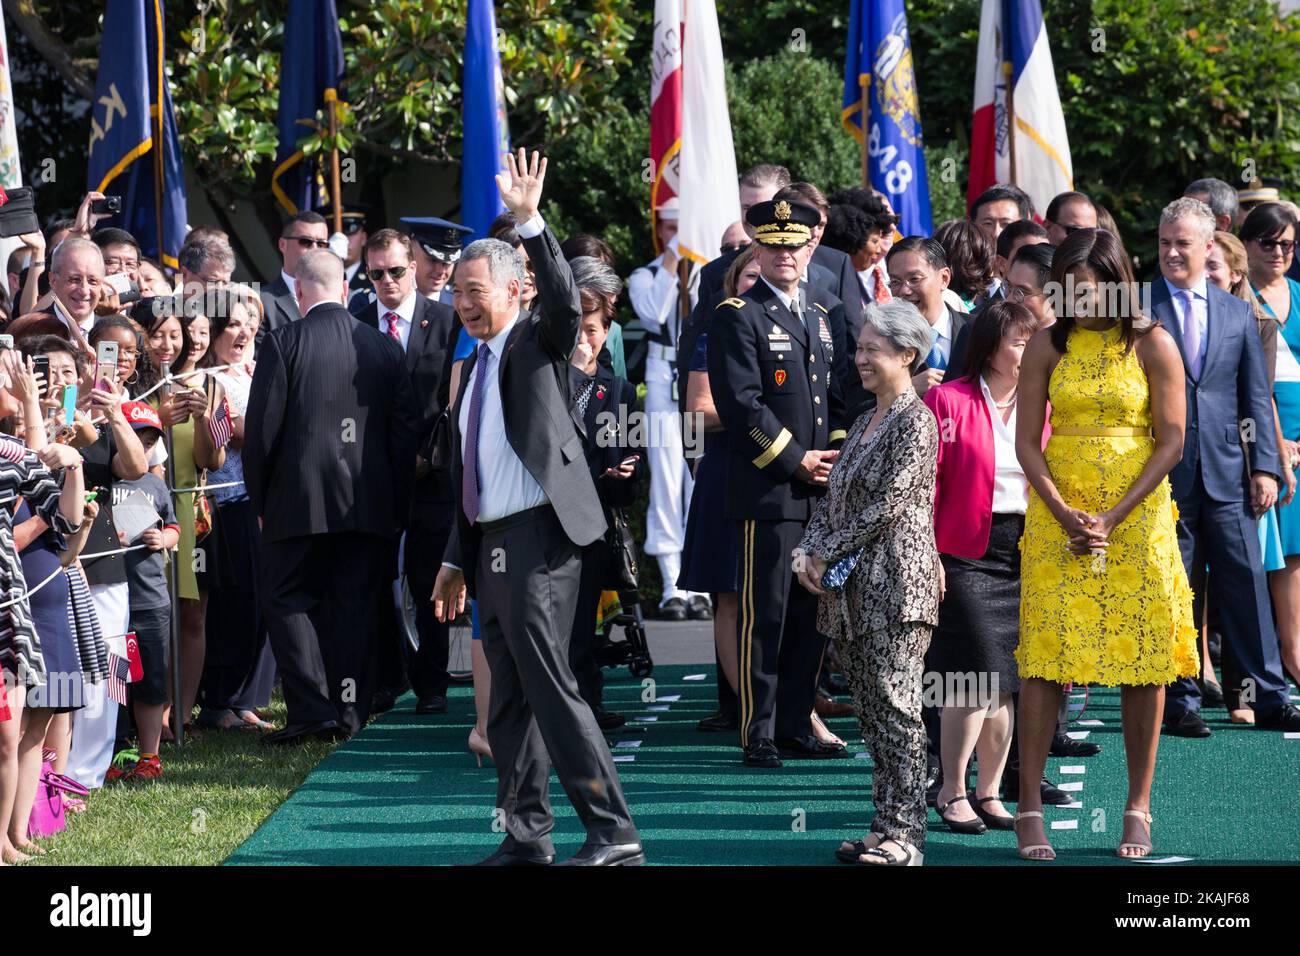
774,390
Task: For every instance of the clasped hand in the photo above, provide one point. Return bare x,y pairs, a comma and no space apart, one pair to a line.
1087,532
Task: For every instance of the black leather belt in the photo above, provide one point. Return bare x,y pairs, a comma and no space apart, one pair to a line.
519,517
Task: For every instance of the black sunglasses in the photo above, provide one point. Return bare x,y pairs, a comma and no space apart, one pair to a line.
735,246
309,243
395,271
1268,245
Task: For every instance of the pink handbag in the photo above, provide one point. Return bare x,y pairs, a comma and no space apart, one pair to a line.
47,812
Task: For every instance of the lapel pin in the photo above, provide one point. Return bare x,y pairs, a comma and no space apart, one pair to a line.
424,323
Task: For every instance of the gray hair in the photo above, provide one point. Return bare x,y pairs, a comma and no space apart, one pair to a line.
595,275
319,268
902,325
69,246
1219,196
504,261
196,254
1188,208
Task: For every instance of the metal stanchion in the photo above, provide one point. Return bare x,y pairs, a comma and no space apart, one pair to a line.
174,577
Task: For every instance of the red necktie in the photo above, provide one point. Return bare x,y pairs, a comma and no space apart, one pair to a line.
393,318
883,294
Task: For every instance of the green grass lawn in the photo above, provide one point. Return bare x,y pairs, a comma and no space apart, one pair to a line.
216,790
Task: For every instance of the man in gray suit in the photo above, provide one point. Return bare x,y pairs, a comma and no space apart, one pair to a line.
302,232
526,508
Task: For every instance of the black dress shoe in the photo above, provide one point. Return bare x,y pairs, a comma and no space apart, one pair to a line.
300,733
1049,793
1063,746
1211,694
809,748
608,720
1286,718
674,609
698,608
608,854
1187,725
762,753
436,704
720,720
505,857
382,701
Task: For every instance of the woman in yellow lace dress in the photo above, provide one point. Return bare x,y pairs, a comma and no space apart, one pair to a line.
1104,598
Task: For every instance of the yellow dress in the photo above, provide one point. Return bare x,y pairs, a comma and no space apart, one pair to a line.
1124,617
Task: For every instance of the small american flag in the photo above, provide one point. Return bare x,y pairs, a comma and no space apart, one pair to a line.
11,450
119,673
219,426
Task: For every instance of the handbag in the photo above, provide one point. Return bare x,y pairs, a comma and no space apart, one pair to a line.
621,570
202,509
837,575
47,812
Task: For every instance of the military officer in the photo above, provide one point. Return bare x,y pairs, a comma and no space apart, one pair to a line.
771,355
436,244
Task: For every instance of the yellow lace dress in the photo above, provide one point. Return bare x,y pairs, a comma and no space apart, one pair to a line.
1124,617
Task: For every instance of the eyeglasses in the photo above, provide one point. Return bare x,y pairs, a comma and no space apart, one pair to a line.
395,271
307,243
1018,294
1268,245
124,265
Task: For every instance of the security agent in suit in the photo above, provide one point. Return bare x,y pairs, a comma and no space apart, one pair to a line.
302,232
918,273
317,445
770,359
436,245
425,331
526,507
1228,399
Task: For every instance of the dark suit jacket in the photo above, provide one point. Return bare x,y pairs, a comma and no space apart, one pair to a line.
960,333
847,287
540,421
279,304
434,327
1232,389
612,401
331,429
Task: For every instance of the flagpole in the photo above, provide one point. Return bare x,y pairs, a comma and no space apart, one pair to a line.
331,100
1011,120
865,82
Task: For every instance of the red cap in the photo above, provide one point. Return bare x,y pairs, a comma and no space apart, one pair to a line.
141,415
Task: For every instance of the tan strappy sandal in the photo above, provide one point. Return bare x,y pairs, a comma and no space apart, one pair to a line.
1145,817
1025,851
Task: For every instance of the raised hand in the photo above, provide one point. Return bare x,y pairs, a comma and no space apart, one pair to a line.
521,190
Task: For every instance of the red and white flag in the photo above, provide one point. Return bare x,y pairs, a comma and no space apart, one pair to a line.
1016,55
708,195
665,105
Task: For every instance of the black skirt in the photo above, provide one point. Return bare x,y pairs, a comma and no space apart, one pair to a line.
979,617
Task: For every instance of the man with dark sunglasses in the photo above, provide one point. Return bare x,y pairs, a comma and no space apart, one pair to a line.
302,232
1067,213
426,332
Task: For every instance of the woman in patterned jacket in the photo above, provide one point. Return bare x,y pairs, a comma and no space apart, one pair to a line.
874,533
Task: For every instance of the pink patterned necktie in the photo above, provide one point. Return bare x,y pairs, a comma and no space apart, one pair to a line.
393,332
1191,334
883,294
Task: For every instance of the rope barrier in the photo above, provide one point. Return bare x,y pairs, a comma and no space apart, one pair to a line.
224,484
169,378
57,571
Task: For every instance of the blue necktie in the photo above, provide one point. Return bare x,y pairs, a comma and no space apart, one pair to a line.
469,487
935,359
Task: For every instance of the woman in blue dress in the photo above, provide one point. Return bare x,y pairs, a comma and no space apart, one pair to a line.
1269,235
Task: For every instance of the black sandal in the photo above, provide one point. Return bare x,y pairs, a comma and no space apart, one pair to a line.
992,819
851,855
911,855
969,827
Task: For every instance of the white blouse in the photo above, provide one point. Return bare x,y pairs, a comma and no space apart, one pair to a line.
1010,486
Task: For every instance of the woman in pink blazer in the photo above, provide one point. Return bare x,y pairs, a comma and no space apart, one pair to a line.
979,514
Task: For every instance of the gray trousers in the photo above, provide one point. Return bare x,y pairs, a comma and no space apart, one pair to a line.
527,588
884,671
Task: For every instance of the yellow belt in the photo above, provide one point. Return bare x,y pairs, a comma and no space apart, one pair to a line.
1102,432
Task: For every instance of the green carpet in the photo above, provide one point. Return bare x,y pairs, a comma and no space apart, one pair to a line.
406,792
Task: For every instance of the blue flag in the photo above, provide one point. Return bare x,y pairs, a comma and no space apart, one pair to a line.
878,71
135,151
486,135
311,74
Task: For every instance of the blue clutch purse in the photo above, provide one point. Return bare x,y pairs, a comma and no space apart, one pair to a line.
838,573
